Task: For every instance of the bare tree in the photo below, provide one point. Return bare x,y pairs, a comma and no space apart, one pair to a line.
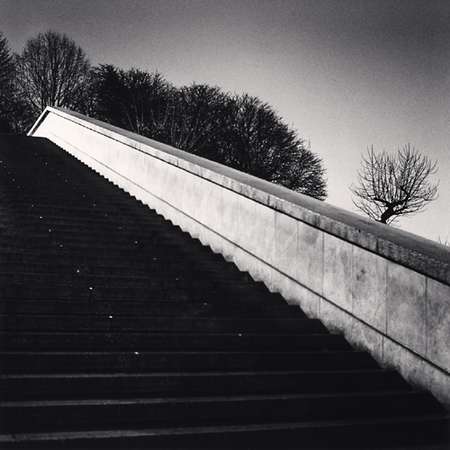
390,186
52,71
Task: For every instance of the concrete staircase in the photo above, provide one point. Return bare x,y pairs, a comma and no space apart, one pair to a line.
118,330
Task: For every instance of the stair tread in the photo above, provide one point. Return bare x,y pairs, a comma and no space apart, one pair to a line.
208,399
191,374
217,429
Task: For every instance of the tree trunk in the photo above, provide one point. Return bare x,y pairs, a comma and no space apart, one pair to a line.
387,215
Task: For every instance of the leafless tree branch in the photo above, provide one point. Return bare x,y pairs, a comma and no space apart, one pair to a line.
52,71
390,186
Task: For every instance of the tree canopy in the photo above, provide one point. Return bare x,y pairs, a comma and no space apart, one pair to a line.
196,119
258,142
52,71
132,99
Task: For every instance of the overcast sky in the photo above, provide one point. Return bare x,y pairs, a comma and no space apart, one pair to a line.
345,74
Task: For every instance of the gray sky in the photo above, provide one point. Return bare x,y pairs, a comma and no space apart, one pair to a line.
346,74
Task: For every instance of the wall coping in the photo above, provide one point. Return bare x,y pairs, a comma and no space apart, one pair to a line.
415,252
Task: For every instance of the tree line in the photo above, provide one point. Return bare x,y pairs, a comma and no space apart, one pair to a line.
240,131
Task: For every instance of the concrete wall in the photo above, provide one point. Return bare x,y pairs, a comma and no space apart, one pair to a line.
386,290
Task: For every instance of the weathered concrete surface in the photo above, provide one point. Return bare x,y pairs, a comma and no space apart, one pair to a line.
386,290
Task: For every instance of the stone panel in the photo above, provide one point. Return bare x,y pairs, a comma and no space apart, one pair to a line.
154,174
337,278
285,252
369,288
245,220
310,257
256,229
406,307
438,323
226,220
265,237
171,186
209,210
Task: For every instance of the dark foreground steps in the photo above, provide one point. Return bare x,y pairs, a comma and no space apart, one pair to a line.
117,330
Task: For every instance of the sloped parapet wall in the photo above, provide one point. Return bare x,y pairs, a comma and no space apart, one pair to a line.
387,290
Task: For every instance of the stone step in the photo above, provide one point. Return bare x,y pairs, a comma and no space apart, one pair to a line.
101,264
176,289
150,275
135,361
92,245
90,322
148,341
151,280
403,433
263,307
73,203
208,261
46,415
102,254
181,384
70,218
113,297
